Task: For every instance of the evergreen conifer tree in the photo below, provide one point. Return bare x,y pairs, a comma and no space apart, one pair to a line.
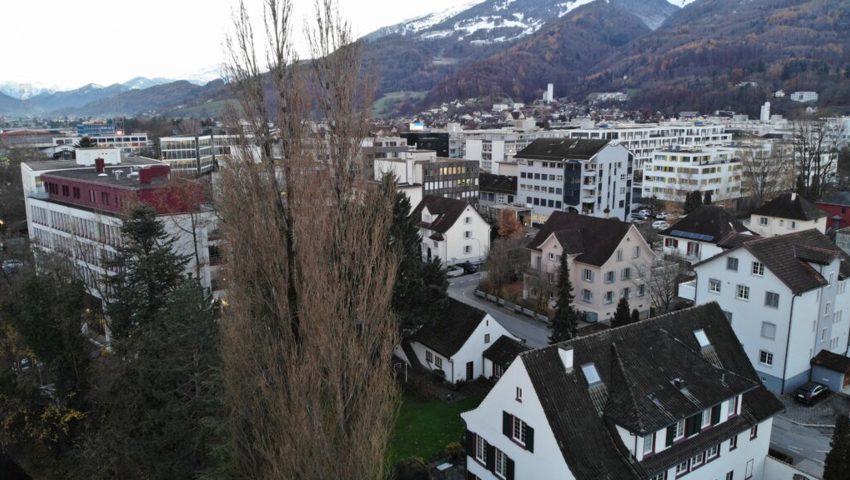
564,323
635,316
621,315
837,466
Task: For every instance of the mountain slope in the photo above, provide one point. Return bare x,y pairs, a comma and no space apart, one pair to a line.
73,98
10,106
562,52
148,100
700,55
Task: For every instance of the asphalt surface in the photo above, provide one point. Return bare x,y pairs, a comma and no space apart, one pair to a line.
807,445
534,332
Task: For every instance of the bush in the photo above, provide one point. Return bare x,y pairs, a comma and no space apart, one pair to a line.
455,451
411,468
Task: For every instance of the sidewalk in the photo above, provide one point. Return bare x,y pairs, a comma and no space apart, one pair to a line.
821,414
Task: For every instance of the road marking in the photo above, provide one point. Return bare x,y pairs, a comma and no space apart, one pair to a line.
796,449
822,451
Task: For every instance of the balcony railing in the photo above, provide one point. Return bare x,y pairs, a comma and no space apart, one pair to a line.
688,290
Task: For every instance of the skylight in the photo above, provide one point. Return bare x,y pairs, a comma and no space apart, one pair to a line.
590,373
702,338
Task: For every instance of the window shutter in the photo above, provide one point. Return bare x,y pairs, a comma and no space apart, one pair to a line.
670,432
715,415
470,444
529,438
491,457
507,424
509,470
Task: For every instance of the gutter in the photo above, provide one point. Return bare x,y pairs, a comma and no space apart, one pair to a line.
788,345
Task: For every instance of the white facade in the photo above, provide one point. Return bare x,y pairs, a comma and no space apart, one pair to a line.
87,156
457,367
780,332
672,174
468,240
804,97
127,143
691,250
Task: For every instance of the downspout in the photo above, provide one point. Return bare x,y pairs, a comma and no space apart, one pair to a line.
788,345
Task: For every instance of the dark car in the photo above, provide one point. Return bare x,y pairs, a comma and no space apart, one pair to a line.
810,393
468,267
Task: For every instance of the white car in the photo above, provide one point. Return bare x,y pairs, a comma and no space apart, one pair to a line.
454,272
662,215
660,225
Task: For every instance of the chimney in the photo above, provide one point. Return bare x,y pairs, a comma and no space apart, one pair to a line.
99,164
566,354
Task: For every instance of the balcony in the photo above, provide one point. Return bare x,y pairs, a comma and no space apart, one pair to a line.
688,290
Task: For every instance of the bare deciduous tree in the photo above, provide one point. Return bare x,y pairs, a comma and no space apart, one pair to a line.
308,331
505,262
815,154
663,283
765,172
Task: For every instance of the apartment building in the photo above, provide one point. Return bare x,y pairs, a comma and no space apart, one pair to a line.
675,172
601,406
443,177
786,299
591,177
75,208
127,143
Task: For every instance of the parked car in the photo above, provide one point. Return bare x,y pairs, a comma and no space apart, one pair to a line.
11,266
638,216
662,215
454,272
660,225
810,393
468,267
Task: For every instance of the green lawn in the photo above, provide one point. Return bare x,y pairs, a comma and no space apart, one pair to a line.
423,429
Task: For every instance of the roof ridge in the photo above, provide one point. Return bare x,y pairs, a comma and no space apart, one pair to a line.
622,368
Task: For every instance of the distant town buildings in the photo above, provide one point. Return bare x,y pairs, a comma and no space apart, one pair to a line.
804,97
674,173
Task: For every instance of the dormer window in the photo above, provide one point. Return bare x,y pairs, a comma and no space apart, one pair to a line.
648,444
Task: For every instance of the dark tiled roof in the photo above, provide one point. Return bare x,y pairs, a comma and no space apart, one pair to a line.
637,364
447,211
736,239
595,239
832,361
562,148
451,330
504,351
710,222
790,205
838,198
487,182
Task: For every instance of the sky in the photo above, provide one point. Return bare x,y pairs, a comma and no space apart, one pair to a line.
63,44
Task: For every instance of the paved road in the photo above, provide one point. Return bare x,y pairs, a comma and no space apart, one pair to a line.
535,333
807,445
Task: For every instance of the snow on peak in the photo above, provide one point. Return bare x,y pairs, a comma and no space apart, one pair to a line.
567,7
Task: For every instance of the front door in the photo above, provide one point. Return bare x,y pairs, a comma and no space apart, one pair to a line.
469,367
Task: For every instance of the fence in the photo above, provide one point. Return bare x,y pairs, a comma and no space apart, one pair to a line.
511,306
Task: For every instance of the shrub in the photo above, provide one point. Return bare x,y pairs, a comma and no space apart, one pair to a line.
411,468
455,451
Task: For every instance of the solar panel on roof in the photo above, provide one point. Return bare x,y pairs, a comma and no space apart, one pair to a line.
692,236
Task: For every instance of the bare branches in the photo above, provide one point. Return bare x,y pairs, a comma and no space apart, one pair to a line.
766,171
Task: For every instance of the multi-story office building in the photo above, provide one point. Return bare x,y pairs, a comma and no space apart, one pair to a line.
195,155
75,208
674,173
591,177
442,177
127,143
95,128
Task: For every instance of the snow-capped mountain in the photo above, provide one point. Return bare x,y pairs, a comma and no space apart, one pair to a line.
140,83
423,22
24,91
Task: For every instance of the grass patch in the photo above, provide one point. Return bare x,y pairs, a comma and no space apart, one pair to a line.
424,428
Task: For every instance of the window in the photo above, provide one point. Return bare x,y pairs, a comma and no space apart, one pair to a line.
679,430
758,269
467,220
480,449
518,394
467,249
467,234
771,299
697,460
486,338
429,357
658,476
610,277
627,273
712,453
438,361
641,290
714,285
588,275
730,475
649,444
518,430
763,221
609,297
620,255
748,473
733,407
732,264
501,468
743,292
682,468
637,252
793,225
733,443
768,330
765,358
671,243
587,296
625,293
693,249
498,371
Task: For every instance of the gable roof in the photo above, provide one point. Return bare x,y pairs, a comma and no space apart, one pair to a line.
593,239
832,361
637,364
504,351
788,257
562,149
446,210
487,182
736,239
837,198
451,330
708,223
790,205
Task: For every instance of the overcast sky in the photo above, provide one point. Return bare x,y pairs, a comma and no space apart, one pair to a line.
69,44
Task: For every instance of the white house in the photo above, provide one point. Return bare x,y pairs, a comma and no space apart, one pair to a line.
452,231
456,342
804,97
608,260
787,213
499,356
786,298
591,177
705,232
602,407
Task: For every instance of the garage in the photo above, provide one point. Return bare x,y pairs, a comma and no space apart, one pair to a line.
832,370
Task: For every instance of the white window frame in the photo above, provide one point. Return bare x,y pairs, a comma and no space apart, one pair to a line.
637,251
480,453
500,466
683,467
626,274
714,285
748,473
608,299
649,441
712,453
587,275
757,269
641,290
768,325
586,296
730,261
765,358
518,431
679,431
438,361
768,295
763,221
742,292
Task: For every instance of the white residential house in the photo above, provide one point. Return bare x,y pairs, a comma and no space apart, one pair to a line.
591,177
705,232
456,342
600,407
452,230
787,213
608,260
786,298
